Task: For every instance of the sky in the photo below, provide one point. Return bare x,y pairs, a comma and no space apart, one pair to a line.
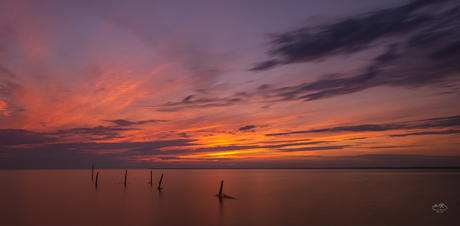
229,84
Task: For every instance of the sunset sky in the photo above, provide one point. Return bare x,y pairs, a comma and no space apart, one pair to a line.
229,84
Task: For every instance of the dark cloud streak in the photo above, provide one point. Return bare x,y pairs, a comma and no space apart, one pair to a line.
424,50
187,102
123,122
247,128
20,136
443,122
345,36
315,148
93,133
445,132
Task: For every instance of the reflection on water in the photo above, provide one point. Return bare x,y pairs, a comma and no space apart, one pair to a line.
264,197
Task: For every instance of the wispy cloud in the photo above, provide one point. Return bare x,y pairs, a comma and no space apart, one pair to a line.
445,132
202,102
20,136
422,48
93,133
77,155
247,128
123,122
444,122
393,146
353,34
315,148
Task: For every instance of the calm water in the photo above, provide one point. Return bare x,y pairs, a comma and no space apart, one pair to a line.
264,197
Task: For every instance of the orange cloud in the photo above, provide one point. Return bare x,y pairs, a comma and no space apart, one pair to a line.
3,108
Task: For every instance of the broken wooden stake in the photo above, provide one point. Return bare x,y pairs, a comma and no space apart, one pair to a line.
126,174
97,175
220,191
222,195
159,184
92,172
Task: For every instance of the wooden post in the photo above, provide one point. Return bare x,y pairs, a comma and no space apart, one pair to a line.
150,177
92,172
97,175
159,184
126,174
221,185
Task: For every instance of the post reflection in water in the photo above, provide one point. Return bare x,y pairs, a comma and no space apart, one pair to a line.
221,211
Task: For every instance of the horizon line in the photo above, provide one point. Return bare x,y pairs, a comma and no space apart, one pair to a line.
273,168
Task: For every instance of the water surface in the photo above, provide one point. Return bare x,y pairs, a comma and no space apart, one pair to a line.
264,197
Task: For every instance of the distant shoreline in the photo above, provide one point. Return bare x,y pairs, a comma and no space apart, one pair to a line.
296,168
421,167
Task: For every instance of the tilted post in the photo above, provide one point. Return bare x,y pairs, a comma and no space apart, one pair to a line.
97,175
159,184
221,185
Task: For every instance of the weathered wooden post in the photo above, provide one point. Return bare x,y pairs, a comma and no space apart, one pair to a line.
151,177
159,184
220,191
92,172
126,174
97,175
